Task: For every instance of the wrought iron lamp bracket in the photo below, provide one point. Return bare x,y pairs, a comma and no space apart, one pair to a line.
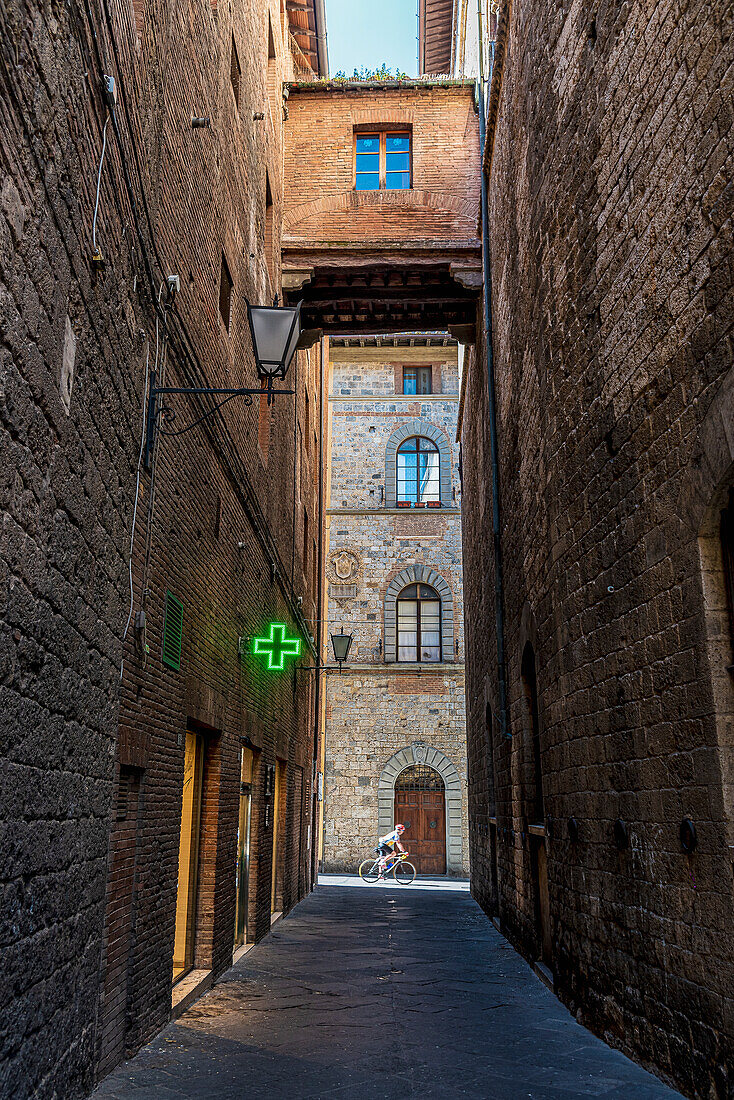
159,413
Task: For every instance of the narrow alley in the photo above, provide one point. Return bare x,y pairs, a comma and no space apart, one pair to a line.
380,992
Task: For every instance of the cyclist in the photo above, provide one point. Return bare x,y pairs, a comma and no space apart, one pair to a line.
386,845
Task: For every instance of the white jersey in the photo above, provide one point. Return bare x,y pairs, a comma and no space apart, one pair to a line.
390,838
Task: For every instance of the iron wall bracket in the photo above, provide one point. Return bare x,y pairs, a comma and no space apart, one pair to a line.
158,410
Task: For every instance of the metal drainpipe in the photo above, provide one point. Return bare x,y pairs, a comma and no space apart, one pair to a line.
321,46
499,603
319,626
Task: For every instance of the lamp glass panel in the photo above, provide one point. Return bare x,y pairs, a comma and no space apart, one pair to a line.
271,328
293,342
341,644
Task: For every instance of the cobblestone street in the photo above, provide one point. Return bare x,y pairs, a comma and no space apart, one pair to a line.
380,992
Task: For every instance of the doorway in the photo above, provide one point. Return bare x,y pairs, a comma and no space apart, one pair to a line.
420,804
243,846
188,856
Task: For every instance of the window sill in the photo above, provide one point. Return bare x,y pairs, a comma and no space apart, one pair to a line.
536,830
189,989
381,667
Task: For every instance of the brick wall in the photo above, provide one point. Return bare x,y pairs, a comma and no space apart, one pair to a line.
375,709
610,203
92,874
321,203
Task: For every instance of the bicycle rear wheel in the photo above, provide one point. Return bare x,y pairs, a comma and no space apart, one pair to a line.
404,873
369,870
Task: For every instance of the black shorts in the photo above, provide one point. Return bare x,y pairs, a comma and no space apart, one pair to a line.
384,849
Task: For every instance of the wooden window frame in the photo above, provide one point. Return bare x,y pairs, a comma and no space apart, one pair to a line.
403,501
417,367
383,136
419,630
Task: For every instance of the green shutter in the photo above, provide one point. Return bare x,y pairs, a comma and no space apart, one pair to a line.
172,632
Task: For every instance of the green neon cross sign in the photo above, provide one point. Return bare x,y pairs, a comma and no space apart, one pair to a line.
277,647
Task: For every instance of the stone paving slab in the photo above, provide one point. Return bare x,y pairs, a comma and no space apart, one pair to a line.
383,992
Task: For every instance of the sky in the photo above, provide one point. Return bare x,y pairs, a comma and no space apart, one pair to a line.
366,33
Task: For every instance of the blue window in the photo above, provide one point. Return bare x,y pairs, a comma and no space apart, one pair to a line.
382,161
368,162
397,162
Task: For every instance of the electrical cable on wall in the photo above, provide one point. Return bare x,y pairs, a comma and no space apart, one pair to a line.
96,251
135,508
186,354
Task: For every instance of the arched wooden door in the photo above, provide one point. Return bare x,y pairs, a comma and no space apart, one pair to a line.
420,804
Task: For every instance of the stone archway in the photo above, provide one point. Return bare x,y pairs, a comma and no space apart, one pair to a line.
420,753
429,431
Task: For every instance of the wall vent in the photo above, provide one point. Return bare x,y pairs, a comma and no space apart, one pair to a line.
172,632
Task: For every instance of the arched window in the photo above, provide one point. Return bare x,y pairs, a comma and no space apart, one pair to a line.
418,471
419,624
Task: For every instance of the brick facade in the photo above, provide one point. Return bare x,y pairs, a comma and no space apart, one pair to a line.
378,710
610,199
94,731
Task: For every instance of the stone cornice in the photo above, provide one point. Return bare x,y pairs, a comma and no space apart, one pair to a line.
412,512
406,398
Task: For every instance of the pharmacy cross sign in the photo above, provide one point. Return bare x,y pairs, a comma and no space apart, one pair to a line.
277,647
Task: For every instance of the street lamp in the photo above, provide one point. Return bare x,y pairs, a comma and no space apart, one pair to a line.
340,644
275,332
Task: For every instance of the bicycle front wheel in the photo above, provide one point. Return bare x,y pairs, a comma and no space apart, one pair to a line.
368,870
404,873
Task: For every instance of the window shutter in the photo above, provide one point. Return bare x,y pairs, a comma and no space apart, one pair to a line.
172,632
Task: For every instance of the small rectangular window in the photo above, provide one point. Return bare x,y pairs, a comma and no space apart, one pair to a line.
225,293
368,162
382,160
417,380
397,162
235,73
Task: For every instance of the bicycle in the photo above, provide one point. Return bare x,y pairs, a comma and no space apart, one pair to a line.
403,872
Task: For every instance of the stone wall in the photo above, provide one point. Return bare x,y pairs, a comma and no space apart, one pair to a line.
93,747
611,205
375,710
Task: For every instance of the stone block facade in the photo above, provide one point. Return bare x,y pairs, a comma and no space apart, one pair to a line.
611,155
93,720
382,715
